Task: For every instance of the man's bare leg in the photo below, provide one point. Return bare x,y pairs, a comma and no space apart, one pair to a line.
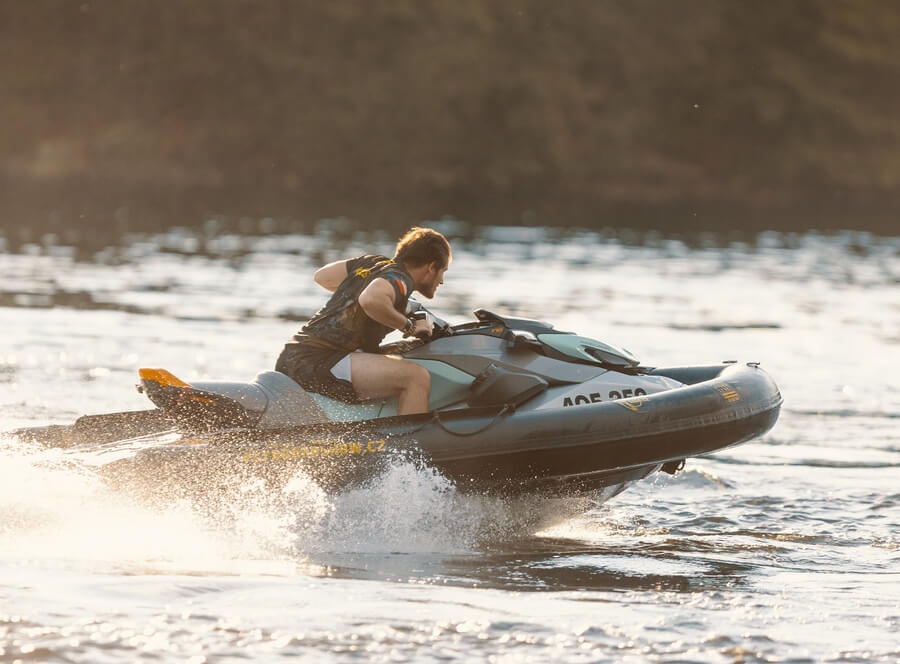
375,376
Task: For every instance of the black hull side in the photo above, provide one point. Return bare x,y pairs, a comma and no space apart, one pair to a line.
594,465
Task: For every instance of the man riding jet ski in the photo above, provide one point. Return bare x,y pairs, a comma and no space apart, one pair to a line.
336,352
515,406
498,405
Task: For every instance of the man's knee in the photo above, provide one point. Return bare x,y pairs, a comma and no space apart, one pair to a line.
420,377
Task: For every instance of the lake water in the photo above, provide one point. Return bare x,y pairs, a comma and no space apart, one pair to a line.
785,549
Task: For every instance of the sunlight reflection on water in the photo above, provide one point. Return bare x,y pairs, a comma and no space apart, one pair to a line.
757,553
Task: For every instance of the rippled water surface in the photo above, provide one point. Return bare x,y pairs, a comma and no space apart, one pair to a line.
785,549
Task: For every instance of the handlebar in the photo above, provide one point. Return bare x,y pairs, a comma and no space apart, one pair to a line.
439,328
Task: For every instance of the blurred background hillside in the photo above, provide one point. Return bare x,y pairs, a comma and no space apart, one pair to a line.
695,114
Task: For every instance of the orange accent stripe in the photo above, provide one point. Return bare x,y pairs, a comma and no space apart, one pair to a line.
402,285
162,377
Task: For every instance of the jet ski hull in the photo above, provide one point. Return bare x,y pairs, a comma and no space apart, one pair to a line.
496,450
515,407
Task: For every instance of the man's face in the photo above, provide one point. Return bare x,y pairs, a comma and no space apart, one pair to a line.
434,277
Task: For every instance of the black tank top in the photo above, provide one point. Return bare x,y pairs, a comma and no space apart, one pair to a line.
342,323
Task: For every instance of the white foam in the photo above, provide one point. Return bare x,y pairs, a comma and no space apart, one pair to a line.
52,508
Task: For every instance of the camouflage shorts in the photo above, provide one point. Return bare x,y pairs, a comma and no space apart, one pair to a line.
310,367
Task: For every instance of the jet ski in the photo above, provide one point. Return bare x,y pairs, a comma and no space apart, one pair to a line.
516,407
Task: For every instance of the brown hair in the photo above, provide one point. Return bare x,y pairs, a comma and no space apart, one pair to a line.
422,246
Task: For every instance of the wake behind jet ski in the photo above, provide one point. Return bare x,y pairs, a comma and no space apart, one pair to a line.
516,406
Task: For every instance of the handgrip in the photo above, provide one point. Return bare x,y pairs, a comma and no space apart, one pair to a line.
420,315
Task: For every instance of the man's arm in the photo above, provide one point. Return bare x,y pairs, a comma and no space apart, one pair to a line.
377,301
331,276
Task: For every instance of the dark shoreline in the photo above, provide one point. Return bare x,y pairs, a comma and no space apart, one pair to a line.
105,238
82,215
696,116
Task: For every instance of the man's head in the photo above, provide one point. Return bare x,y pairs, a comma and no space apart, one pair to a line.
426,255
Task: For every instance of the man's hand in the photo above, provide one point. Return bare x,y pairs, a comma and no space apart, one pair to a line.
422,326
